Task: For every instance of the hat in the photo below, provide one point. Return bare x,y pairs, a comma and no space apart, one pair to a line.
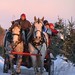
51,25
24,15
45,22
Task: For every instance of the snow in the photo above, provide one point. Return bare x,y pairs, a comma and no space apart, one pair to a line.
1,66
61,67
25,70
1,61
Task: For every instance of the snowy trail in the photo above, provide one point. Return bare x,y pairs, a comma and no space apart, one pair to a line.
60,68
24,70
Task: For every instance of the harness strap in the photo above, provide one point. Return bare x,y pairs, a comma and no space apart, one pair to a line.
37,50
16,34
15,45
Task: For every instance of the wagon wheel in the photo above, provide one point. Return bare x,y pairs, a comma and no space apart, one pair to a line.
6,66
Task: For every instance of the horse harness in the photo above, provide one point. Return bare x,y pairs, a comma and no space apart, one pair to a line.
14,45
43,39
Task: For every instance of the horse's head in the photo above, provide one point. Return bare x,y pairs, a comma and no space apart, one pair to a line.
15,29
38,24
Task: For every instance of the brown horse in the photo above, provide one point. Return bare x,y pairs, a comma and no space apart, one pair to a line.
17,46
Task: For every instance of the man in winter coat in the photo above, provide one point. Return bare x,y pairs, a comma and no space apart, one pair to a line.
25,25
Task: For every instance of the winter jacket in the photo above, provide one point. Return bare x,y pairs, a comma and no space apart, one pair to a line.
24,24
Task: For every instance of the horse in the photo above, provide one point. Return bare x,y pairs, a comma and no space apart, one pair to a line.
38,45
15,45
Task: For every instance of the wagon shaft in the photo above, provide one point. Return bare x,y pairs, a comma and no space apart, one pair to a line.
25,54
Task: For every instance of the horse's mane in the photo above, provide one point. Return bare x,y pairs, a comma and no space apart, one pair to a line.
15,24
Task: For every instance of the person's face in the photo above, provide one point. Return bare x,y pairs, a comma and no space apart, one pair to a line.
52,27
23,18
47,26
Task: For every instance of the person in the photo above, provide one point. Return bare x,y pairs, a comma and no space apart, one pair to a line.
25,25
52,27
50,30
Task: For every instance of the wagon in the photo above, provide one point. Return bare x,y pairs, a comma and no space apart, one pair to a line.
48,63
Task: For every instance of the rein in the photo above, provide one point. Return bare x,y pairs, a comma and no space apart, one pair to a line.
16,34
37,44
14,45
38,50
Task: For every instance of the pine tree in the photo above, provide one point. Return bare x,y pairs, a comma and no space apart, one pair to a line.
69,43
57,43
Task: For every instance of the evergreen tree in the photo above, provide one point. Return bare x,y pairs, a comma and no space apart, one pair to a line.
57,43
69,43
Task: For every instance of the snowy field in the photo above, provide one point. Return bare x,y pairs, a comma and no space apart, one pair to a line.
24,70
60,68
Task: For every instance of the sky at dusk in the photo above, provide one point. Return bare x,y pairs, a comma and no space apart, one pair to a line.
50,9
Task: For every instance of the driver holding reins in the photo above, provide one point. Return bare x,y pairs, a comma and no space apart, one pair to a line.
25,25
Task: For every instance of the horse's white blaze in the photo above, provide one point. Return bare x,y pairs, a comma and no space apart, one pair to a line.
15,38
16,30
38,27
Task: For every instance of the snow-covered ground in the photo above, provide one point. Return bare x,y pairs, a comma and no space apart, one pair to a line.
24,70
60,68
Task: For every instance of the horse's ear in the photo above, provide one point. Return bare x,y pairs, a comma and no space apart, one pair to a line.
34,18
19,26
12,22
42,19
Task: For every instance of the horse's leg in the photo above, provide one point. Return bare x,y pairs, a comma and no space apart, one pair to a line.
42,65
33,51
43,52
18,64
35,66
11,64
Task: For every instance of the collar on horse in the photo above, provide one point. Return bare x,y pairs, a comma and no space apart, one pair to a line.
38,44
14,45
16,34
38,49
